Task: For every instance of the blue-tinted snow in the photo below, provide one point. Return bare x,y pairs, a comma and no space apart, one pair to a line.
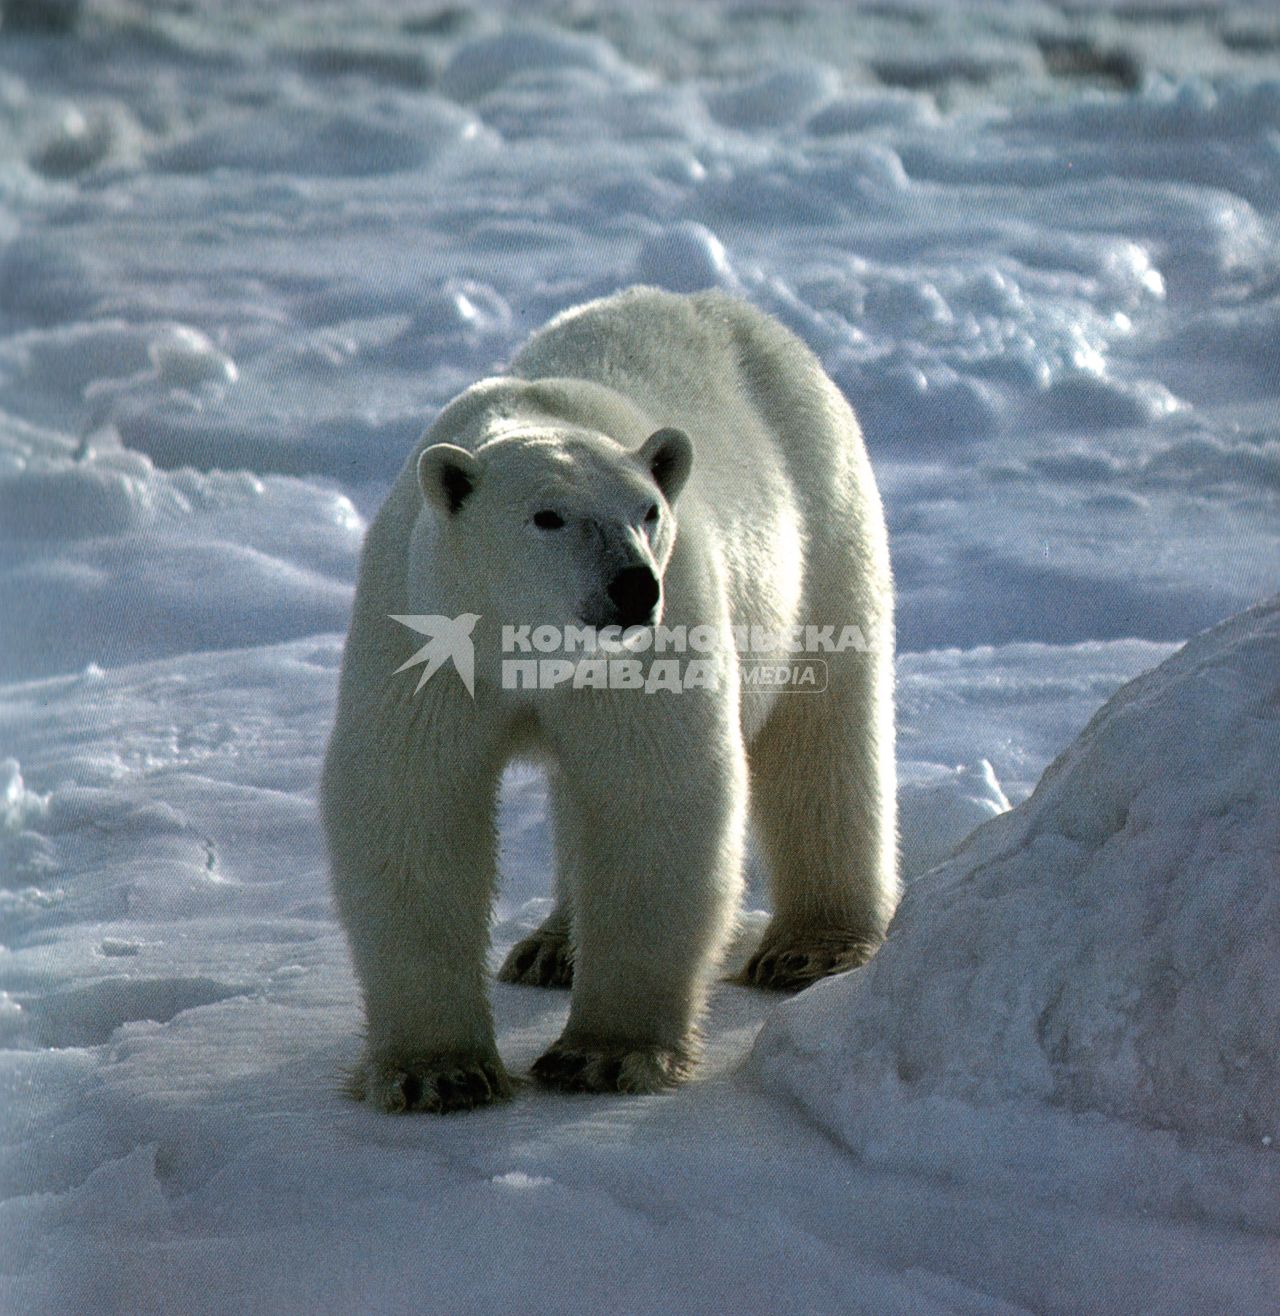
246,252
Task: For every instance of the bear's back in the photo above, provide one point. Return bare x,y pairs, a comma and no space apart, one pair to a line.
638,341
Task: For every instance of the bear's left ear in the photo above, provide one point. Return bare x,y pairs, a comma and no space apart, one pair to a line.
447,476
667,454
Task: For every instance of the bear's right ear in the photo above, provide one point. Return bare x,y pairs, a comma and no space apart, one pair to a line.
447,476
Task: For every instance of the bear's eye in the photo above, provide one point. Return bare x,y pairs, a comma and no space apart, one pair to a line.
548,520
652,514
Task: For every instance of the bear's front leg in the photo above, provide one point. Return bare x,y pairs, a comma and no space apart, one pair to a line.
656,787
413,856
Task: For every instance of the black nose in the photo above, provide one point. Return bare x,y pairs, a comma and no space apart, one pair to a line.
634,592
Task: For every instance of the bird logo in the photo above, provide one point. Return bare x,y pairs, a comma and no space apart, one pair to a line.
447,638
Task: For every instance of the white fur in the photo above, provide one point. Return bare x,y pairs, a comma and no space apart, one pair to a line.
778,524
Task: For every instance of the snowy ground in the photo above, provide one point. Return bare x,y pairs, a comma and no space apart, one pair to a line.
245,252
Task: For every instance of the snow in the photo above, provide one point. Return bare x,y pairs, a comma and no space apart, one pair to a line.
1110,947
248,250
176,559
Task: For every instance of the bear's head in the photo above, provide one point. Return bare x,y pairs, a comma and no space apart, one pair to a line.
555,525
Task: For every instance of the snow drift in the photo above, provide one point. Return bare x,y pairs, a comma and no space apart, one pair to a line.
1109,948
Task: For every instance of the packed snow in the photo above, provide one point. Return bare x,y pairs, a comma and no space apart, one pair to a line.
248,250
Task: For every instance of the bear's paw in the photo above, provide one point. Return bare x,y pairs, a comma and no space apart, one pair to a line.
792,961
438,1084
631,1067
543,959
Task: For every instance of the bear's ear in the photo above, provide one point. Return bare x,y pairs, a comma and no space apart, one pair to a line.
667,454
447,476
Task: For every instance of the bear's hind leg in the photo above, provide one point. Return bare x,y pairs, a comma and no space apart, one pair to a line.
545,957
824,809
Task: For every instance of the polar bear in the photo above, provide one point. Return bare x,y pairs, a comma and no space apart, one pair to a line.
653,463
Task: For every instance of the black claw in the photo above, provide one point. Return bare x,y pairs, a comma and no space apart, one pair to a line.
479,1086
457,1090
465,1089
602,1071
548,1068
560,1069
793,968
538,962
468,1084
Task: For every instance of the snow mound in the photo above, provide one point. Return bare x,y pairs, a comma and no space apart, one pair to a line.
311,141
1110,947
775,97
481,66
867,110
185,358
18,804
80,141
686,257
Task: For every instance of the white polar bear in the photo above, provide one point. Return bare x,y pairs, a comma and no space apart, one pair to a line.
656,461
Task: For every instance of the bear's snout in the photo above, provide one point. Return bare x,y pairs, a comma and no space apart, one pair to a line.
634,591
